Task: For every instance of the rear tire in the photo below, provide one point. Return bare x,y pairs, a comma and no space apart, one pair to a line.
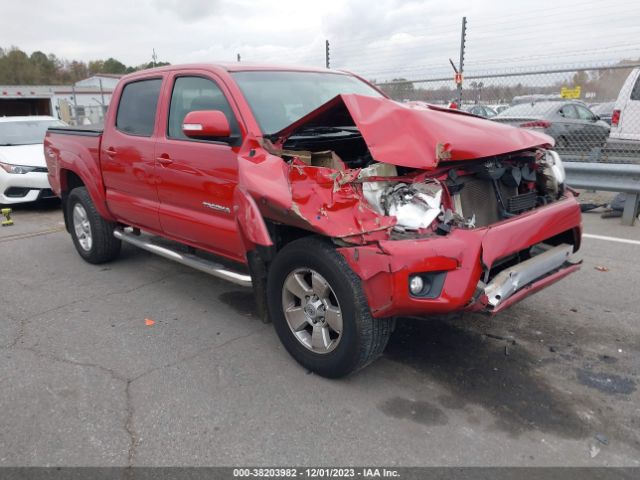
320,312
92,235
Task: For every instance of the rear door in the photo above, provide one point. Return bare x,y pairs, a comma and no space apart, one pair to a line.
594,132
197,178
127,155
569,132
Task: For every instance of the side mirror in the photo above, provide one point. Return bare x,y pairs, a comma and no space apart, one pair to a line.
206,123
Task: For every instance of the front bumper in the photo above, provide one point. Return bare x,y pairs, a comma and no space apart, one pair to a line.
21,188
465,256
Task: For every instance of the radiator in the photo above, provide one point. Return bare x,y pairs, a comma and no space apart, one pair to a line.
478,198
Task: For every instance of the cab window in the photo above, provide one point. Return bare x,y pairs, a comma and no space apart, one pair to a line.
193,94
137,108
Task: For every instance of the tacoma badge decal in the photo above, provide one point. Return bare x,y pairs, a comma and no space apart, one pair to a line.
215,206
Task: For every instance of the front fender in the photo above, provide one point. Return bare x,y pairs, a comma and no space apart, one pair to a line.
250,222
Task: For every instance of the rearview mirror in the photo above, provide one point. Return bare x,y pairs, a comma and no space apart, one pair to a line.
206,123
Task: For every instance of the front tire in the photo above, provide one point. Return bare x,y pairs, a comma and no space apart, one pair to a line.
320,312
92,235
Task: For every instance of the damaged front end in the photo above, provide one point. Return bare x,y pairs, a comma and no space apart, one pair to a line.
428,207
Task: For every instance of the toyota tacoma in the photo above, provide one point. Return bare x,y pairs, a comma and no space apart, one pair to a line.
342,208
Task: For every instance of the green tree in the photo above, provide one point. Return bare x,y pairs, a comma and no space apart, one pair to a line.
18,68
111,65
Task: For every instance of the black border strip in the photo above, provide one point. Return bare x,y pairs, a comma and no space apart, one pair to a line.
76,131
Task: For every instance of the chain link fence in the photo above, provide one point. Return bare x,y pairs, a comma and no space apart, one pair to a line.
82,114
592,113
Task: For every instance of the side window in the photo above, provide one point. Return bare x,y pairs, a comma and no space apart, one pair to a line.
635,93
584,114
137,107
196,93
569,111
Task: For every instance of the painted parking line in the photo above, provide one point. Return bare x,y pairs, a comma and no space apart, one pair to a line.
611,239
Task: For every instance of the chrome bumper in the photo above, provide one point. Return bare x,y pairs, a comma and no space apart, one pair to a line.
509,281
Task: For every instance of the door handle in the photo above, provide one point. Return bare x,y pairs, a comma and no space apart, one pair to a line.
164,159
110,151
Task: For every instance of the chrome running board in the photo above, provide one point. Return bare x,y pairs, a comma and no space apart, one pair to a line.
187,259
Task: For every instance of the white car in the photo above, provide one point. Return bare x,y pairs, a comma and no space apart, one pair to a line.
625,119
23,170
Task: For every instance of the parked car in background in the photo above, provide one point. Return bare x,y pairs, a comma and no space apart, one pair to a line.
535,97
570,123
23,169
603,110
625,120
480,110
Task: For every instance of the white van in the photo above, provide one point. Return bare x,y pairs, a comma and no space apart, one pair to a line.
625,120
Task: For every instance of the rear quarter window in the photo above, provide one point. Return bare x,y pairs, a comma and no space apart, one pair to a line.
137,107
635,93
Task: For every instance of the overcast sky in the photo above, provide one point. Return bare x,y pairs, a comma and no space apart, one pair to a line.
380,39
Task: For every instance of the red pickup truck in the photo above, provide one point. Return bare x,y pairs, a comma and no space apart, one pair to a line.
342,208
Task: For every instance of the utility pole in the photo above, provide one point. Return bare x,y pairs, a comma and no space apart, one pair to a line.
461,64
154,57
327,62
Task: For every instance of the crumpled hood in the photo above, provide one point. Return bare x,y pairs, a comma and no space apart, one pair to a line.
419,135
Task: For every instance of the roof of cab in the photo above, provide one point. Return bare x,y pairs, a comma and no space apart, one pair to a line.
236,67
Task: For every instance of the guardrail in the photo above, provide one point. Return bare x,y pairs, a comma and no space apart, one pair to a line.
611,177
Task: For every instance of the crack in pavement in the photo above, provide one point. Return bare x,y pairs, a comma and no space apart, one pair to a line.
22,236
24,321
134,438
193,355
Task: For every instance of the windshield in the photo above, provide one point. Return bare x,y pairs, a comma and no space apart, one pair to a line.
539,109
278,99
28,132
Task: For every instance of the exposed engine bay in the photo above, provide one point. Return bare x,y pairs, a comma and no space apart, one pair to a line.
465,194
363,169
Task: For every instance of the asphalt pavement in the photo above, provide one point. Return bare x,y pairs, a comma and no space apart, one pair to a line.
146,362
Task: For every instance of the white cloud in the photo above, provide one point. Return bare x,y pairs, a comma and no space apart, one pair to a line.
189,10
378,38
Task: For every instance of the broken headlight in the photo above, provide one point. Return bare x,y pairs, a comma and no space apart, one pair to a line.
557,168
415,205
551,177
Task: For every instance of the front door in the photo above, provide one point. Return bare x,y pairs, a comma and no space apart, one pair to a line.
197,178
